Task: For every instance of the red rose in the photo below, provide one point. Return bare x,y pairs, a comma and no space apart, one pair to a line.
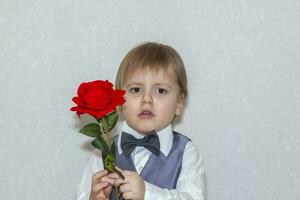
97,98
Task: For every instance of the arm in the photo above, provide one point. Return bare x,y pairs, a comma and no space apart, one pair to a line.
191,184
93,165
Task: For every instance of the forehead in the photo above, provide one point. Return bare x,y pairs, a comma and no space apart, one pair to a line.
156,74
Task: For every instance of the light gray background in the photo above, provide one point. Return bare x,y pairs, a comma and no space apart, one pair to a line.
242,59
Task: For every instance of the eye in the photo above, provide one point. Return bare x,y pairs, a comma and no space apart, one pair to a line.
162,91
135,90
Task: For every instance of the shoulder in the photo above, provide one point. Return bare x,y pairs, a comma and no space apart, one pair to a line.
180,135
191,151
191,148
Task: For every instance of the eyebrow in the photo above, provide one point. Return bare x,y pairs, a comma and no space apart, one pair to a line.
140,84
133,83
163,84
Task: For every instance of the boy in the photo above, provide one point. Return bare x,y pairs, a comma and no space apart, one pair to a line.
157,162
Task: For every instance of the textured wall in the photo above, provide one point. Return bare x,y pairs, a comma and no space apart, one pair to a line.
242,59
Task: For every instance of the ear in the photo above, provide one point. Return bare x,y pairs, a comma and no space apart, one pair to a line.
180,104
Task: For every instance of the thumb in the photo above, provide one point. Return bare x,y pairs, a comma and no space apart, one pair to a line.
108,190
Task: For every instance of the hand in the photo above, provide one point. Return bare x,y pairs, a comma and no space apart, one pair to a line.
101,186
132,187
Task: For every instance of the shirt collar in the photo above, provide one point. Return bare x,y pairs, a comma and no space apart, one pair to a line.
165,137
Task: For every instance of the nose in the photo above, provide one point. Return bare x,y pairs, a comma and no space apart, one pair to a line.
147,99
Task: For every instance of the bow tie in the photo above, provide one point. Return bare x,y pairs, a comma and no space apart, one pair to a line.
129,142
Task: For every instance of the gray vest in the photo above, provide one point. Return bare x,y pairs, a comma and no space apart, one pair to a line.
159,170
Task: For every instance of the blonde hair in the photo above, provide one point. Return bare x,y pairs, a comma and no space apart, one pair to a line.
153,56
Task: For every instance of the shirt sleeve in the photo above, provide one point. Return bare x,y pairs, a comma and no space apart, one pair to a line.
191,184
92,166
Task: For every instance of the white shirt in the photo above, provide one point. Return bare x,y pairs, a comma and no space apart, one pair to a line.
191,183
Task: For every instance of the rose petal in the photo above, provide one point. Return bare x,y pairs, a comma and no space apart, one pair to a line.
97,98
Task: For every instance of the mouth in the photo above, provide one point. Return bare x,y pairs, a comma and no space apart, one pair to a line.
145,114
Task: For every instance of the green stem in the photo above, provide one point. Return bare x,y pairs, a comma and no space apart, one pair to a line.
117,193
104,128
107,139
104,120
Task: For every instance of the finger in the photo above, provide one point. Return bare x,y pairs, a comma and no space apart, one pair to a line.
108,190
128,195
113,175
107,179
96,188
125,188
101,195
98,175
128,177
119,182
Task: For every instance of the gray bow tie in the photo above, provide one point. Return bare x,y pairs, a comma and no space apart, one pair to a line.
150,142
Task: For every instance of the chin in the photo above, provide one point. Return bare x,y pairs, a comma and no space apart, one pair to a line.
145,131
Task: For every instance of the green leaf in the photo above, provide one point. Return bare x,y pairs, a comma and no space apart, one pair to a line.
112,120
91,130
99,143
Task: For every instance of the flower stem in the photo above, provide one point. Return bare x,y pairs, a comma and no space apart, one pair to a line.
117,193
107,139
104,128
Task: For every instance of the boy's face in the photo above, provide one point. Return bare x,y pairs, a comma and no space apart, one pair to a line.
152,100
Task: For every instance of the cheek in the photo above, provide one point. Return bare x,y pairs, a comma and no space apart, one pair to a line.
128,107
170,109
124,112
124,107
